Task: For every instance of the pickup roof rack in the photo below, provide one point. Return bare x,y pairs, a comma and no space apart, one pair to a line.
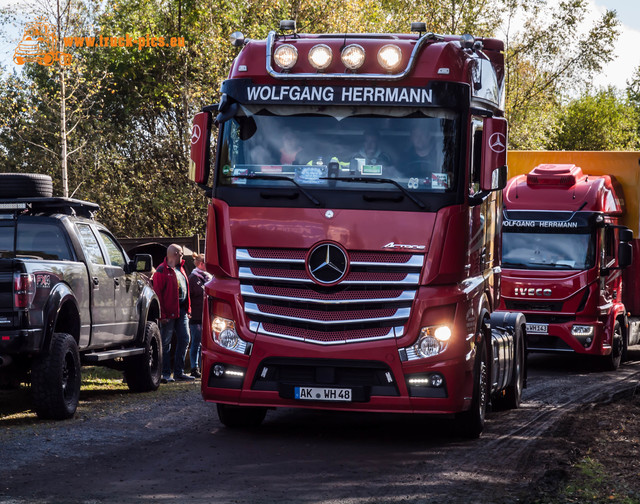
68,206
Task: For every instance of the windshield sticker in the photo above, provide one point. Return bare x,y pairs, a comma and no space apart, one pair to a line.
311,174
439,181
240,171
371,169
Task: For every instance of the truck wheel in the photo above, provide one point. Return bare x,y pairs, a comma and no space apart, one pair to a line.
55,379
241,416
471,423
25,185
143,372
611,362
513,393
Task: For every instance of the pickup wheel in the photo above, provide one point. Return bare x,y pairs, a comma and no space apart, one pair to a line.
241,416
143,372
25,185
55,379
611,362
471,423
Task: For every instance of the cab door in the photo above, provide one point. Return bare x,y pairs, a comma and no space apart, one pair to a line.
102,309
126,288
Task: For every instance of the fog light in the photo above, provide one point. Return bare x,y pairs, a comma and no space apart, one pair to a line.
390,57
320,56
286,56
218,370
437,380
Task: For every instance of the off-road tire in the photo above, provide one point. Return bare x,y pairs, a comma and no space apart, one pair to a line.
143,372
612,361
25,185
55,379
471,423
241,416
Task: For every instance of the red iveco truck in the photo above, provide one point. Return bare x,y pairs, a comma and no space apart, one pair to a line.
354,228
569,259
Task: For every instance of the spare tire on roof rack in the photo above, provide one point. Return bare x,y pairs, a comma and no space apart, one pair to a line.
25,185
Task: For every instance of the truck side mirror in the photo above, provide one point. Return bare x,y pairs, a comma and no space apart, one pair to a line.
625,255
493,174
142,263
626,235
199,167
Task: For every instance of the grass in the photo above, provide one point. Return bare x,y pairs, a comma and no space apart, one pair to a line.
103,392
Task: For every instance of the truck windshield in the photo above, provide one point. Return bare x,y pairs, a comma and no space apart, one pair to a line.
415,148
548,251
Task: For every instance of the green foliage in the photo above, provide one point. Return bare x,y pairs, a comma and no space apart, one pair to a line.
600,121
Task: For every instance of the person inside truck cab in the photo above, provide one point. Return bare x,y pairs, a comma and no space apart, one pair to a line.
422,158
370,152
290,149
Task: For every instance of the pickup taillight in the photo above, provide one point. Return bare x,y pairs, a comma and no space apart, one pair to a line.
24,289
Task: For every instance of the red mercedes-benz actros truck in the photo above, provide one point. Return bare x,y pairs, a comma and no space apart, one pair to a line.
569,259
354,228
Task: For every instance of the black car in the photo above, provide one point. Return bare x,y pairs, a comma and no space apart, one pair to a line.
69,295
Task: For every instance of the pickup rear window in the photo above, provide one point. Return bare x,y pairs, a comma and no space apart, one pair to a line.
35,240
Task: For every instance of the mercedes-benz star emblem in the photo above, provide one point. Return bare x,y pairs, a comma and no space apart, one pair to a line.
327,263
497,142
195,134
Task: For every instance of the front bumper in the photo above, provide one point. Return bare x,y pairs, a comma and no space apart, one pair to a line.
559,339
373,372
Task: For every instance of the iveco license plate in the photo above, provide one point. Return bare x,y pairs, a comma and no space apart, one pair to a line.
323,394
538,328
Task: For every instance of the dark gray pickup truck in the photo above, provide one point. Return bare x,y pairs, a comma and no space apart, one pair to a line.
69,296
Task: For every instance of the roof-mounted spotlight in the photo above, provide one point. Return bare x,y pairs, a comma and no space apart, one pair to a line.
288,25
353,56
390,57
320,56
286,56
237,39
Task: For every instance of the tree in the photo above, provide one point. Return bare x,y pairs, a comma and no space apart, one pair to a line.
600,121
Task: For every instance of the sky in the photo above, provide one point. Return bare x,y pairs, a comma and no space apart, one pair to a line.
616,73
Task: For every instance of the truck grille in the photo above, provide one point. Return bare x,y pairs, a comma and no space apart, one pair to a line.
372,302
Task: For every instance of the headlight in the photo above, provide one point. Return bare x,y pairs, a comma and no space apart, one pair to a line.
286,56
432,340
582,330
320,56
352,56
224,334
390,57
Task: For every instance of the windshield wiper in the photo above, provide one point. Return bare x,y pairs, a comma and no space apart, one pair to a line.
379,181
259,176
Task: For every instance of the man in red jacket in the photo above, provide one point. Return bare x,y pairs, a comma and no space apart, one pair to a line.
172,287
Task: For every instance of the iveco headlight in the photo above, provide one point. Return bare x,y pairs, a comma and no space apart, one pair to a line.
390,57
286,56
352,56
432,340
582,330
320,56
224,334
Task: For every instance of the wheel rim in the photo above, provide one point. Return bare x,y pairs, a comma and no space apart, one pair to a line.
154,356
482,383
617,343
69,373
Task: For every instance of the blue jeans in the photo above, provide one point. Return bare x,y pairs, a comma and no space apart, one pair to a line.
181,326
194,351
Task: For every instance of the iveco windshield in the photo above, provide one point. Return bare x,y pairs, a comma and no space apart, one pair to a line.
414,148
547,251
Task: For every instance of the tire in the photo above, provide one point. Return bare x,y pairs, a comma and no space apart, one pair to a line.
143,372
25,185
241,416
471,423
612,361
512,395
55,379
